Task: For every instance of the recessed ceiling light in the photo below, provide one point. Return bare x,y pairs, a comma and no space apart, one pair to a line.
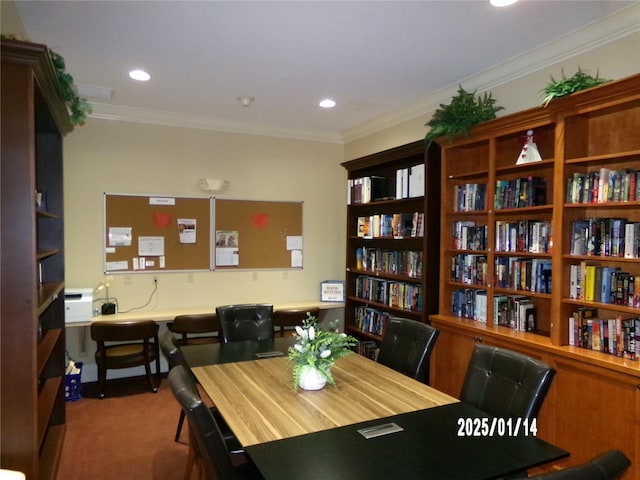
502,3
139,75
327,103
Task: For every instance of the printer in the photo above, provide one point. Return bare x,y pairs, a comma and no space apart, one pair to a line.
78,305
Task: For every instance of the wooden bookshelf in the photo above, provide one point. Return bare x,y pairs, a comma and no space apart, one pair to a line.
34,120
577,136
392,238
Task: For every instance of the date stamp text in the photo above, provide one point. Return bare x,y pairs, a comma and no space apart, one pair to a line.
497,427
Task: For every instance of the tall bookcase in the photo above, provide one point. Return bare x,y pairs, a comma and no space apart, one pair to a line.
544,235
392,238
34,120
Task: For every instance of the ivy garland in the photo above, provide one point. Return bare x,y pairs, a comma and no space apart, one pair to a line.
78,106
465,110
567,86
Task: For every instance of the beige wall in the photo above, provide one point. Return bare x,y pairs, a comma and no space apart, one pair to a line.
614,60
119,157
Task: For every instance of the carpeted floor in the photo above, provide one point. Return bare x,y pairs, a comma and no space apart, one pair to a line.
127,435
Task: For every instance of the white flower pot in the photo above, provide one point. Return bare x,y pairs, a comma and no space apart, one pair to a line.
311,378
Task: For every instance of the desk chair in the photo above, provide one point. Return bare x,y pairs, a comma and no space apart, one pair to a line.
406,347
251,321
174,356
609,465
206,434
284,321
125,344
505,383
188,326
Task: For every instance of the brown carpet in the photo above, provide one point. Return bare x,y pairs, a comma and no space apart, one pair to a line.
127,435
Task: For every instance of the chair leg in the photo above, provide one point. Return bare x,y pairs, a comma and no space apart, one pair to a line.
150,381
179,429
102,375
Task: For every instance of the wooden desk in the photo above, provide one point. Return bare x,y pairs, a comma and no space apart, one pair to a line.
168,315
258,401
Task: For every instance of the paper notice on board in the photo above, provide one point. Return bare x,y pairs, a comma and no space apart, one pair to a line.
227,257
150,246
120,236
296,258
294,242
187,230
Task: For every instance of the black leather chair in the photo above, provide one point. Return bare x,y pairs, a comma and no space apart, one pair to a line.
285,320
125,344
609,465
212,450
196,329
406,347
251,321
171,350
505,383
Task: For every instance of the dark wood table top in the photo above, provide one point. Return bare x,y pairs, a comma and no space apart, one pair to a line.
428,448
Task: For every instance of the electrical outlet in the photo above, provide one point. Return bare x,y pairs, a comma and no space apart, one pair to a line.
285,275
155,280
190,278
255,276
127,279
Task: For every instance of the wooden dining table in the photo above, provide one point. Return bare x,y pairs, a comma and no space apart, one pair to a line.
258,400
373,424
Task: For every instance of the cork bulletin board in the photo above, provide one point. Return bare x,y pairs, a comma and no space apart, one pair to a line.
257,234
156,233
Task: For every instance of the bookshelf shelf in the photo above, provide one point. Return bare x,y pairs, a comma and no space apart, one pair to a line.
582,138
392,243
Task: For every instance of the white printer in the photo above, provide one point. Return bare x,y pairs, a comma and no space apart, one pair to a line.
78,305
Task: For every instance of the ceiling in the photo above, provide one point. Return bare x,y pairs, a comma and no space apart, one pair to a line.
377,59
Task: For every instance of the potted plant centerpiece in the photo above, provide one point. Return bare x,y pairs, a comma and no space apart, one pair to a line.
315,351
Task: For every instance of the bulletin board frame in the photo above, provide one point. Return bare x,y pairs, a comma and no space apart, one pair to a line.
157,233
268,234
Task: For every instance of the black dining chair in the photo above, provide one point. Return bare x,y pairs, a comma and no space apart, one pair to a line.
171,351
126,344
196,329
406,347
210,449
504,383
609,465
250,321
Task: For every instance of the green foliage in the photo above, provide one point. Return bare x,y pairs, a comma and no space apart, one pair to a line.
567,86
465,110
78,106
318,348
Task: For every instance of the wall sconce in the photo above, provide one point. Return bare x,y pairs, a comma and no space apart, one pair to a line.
212,185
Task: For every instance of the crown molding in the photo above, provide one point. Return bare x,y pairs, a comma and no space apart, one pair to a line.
104,111
614,27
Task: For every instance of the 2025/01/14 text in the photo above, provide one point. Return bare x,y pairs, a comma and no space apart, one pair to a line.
497,427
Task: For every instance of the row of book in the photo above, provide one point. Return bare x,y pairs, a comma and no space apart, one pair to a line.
368,348
467,235
513,311
406,296
533,236
604,186
527,274
603,284
605,237
370,320
616,336
516,312
397,262
520,192
409,183
469,197
395,225
469,268
469,303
